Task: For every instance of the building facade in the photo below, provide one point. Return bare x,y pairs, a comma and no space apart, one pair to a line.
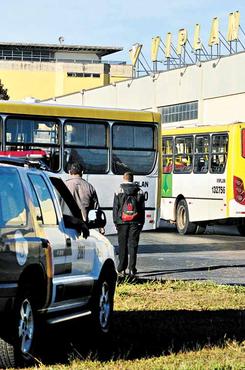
42,71
210,92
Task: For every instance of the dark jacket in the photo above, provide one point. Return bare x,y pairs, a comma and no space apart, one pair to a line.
129,188
84,193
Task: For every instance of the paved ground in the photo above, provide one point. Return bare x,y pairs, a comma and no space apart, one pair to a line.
218,255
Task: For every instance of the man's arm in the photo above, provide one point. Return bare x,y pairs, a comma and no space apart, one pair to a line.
115,208
95,200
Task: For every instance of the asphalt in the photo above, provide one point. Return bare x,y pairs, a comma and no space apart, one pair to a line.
218,255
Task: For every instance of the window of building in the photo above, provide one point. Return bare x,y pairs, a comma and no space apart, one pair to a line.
179,112
25,54
83,75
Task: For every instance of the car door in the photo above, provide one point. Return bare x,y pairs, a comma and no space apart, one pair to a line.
82,250
48,219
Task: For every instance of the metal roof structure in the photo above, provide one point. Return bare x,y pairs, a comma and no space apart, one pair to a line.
100,51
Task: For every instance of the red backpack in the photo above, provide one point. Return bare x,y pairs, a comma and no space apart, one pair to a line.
130,208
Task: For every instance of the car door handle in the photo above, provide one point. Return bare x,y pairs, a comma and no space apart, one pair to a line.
68,242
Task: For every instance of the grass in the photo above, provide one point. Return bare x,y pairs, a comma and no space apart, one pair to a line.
172,325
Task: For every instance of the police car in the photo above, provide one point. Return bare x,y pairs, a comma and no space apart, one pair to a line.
50,269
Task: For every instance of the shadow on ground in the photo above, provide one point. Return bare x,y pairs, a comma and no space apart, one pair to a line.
139,334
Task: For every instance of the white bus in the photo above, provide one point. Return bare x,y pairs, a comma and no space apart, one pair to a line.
203,176
106,142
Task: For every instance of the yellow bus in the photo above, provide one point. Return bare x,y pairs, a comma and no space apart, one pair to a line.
203,176
107,142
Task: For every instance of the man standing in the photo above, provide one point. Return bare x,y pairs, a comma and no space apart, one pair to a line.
129,218
83,192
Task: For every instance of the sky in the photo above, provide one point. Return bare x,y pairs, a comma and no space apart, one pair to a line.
111,22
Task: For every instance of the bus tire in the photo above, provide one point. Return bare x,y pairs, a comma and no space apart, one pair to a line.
184,226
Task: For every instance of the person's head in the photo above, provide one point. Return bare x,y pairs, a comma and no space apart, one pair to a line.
128,177
76,169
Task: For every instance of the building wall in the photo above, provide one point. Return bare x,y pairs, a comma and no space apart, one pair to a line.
218,86
76,56
44,80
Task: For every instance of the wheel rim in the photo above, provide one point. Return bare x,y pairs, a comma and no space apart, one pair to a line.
104,306
181,217
26,326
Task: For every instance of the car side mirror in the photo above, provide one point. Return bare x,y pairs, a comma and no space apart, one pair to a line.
96,219
72,222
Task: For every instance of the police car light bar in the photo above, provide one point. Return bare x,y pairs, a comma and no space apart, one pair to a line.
35,154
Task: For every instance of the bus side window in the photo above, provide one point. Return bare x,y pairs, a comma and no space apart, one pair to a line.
218,163
183,160
167,165
167,152
201,164
201,157
219,151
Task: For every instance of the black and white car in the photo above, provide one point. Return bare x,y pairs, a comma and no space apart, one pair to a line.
50,269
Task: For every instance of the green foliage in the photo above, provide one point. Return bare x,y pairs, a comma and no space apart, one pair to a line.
3,92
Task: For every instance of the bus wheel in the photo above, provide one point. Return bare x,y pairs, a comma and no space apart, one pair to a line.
184,226
241,229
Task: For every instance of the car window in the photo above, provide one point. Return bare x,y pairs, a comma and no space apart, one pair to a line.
67,202
12,202
48,214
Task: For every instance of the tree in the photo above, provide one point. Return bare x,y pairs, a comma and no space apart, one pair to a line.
3,92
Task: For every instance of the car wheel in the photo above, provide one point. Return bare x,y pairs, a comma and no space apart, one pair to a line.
184,226
102,306
18,351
